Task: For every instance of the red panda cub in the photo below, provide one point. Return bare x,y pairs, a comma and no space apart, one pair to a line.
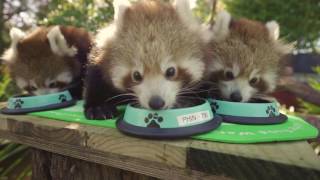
151,54
48,59
245,57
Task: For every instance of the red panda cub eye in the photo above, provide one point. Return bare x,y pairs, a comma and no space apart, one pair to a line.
229,75
253,81
171,73
137,77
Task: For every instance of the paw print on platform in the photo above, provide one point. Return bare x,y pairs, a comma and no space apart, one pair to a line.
271,111
63,98
153,120
214,106
18,104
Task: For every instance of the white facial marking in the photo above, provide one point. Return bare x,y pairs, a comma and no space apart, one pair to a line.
254,73
194,66
118,73
21,83
157,86
167,63
271,79
216,66
235,70
59,44
65,77
241,85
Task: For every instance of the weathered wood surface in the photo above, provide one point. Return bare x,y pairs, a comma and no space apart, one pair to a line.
49,166
174,159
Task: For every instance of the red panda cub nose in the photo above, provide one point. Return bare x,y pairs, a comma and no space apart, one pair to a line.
236,96
156,103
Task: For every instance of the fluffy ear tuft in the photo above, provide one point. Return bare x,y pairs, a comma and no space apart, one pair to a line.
16,35
120,7
221,26
274,29
59,44
10,54
185,13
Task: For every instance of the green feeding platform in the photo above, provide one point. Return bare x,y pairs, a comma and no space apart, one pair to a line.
294,128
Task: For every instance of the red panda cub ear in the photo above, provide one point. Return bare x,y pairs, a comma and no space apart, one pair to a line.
185,14
58,43
10,55
221,28
274,30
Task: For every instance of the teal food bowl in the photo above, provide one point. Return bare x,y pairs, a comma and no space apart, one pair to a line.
27,104
171,123
257,112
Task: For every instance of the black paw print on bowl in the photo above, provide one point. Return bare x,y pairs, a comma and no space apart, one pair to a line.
214,106
153,120
63,98
271,111
18,104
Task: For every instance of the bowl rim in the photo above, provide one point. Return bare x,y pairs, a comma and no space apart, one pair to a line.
244,103
34,97
168,133
38,109
249,113
170,118
248,110
38,103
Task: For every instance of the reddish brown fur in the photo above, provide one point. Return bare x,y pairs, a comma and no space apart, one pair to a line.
249,50
35,60
249,46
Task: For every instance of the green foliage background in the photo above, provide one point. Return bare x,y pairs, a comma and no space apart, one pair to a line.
299,20
79,13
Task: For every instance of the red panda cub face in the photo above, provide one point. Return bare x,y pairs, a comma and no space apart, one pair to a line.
245,58
155,53
41,62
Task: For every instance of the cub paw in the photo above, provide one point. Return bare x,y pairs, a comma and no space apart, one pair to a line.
153,120
102,112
